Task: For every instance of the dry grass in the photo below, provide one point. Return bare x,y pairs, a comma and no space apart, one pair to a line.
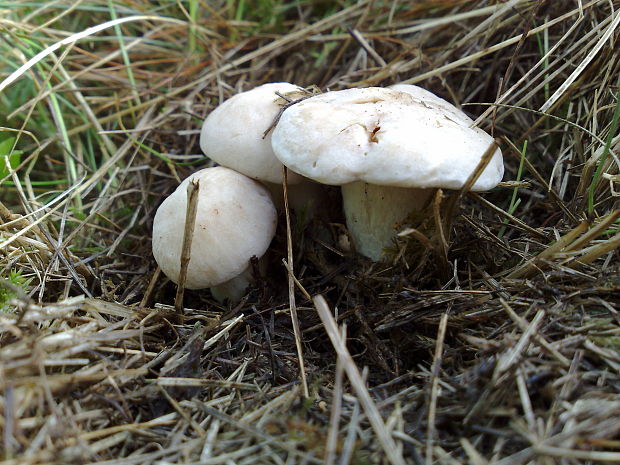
498,344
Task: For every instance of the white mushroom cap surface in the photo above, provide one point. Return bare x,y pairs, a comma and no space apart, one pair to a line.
385,137
235,220
428,98
232,134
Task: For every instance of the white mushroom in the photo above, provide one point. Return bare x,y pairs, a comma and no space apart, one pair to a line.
388,149
235,221
233,135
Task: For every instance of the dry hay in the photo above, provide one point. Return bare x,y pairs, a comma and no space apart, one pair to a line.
498,344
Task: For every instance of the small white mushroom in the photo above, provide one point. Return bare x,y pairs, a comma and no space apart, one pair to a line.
389,149
233,135
235,221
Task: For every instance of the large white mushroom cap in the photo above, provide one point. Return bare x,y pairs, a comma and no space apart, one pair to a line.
235,220
232,134
385,137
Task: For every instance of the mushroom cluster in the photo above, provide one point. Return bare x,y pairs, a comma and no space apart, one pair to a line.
389,149
235,214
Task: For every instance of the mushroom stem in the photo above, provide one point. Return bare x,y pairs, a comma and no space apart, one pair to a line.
234,289
375,213
304,197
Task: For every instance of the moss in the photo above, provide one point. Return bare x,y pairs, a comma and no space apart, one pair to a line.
14,279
